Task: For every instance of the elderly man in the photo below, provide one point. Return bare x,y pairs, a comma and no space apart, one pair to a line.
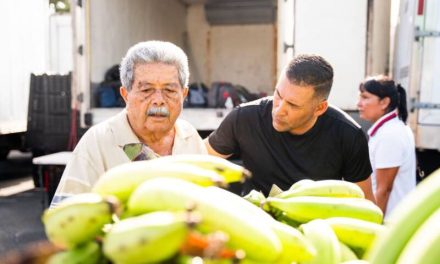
154,77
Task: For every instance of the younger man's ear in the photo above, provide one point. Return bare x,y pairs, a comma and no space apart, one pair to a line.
322,107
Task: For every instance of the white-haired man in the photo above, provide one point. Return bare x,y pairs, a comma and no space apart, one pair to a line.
154,77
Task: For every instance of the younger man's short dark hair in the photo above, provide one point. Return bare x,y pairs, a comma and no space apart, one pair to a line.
311,70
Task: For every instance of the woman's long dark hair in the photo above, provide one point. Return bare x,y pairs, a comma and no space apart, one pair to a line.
383,86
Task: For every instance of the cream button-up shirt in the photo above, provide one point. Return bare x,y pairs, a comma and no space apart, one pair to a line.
101,148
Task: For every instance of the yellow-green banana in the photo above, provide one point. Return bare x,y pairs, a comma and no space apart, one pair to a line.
346,253
424,246
408,215
306,208
355,233
121,181
328,188
147,238
356,261
301,183
255,197
230,171
78,219
322,237
295,248
254,237
89,253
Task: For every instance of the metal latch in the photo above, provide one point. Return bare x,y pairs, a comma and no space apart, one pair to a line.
420,105
424,34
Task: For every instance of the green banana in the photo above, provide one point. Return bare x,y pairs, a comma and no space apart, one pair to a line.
255,197
78,219
88,253
121,180
355,233
346,253
423,247
306,208
217,214
320,234
356,261
230,171
147,238
294,246
301,183
328,188
405,219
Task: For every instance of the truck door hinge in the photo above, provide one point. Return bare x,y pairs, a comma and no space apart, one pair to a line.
80,49
80,97
287,46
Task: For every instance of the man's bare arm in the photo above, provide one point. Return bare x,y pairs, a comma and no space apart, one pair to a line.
211,151
367,189
385,179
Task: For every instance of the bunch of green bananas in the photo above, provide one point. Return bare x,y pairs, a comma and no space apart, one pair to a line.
149,211
84,223
413,229
333,215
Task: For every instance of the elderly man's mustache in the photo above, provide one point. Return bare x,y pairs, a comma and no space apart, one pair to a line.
158,111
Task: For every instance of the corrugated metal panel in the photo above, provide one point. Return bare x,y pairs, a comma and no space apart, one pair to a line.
49,112
233,12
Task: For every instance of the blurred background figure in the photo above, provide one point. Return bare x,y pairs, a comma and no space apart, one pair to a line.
391,142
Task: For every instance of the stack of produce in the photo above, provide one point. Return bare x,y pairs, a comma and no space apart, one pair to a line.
173,210
332,214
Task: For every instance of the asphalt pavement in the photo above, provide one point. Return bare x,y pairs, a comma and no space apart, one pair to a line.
21,204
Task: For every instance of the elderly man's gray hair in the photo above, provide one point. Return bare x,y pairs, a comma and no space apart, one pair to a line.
154,52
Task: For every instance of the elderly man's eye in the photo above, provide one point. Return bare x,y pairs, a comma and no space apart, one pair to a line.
170,92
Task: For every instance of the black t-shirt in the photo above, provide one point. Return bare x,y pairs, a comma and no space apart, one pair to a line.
334,148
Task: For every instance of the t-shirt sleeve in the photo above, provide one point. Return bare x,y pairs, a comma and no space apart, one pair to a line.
224,139
357,165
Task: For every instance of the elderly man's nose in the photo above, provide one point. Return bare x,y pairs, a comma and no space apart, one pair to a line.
158,95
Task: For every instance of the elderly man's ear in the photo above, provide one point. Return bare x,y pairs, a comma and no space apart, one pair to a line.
124,93
185,92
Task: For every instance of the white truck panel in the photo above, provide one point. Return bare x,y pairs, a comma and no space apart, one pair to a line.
23,49
430,72
340,37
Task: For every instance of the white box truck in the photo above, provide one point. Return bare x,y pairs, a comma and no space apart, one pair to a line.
415,62
23,49
248,42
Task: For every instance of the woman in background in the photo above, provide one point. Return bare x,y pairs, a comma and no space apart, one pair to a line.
391,142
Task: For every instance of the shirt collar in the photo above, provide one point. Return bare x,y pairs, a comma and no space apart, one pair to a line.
122,130
385,118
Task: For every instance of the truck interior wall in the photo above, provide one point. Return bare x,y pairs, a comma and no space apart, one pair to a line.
116,25
379,41
241,54
197,44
